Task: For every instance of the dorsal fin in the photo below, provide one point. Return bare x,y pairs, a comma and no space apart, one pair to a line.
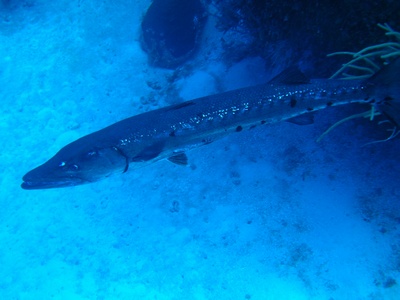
291,75
180,105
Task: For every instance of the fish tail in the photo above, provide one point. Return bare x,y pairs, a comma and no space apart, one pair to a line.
385,88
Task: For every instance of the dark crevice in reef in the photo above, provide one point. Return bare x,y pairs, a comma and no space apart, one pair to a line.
171,31
303,30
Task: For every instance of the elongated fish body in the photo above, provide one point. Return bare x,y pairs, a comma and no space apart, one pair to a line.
161,133
168,132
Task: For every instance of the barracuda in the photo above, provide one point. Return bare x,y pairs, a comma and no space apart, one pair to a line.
170,131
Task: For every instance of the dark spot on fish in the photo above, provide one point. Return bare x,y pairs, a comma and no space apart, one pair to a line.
239,128
252,126
310,108
263,122
172,133
387,98
329,103
293,102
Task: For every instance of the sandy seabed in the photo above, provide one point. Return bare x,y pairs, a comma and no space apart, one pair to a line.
262,214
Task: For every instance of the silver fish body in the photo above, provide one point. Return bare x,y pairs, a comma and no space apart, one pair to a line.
170,131
203,120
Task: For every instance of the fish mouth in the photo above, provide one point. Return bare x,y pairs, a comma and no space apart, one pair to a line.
39,185
43,177
50,184
30,183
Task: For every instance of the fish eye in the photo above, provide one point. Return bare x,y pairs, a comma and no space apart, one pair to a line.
71,167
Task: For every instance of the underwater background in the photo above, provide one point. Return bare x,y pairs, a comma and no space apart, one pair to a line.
265,214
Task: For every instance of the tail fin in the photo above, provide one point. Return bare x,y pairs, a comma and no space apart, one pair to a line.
391,109
385,85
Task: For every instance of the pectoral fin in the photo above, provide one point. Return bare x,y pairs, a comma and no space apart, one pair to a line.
148,153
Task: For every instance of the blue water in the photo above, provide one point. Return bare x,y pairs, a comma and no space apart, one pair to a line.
264,214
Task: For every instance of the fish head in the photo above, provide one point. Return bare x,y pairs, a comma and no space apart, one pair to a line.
76,164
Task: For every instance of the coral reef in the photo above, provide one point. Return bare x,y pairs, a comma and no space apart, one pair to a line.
304,30
170,31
